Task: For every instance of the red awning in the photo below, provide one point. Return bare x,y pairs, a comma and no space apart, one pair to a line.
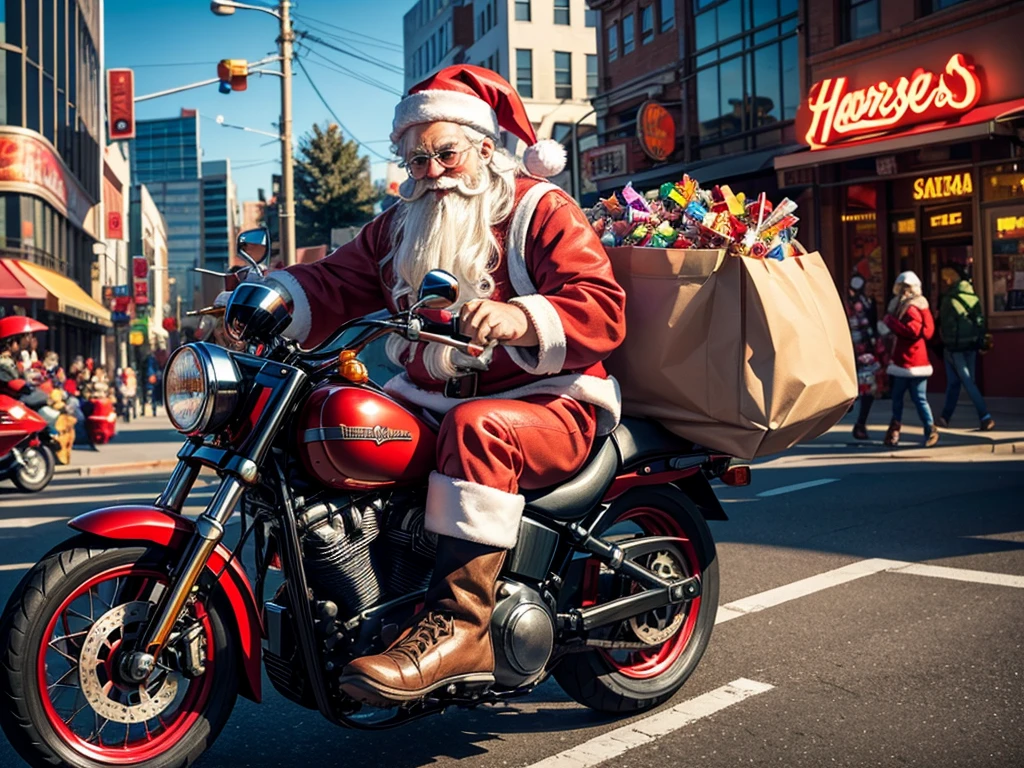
978,122
16,284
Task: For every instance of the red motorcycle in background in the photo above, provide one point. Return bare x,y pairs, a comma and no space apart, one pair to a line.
129,643
27,455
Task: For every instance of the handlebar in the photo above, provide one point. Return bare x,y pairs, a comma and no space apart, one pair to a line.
205,311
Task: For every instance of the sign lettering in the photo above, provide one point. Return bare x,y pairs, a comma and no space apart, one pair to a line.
656,131
906,226
121,104
1006,224
603,162
933,187
954,219
838,113
378,434
29,161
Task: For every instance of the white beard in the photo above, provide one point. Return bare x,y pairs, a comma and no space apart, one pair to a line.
453,232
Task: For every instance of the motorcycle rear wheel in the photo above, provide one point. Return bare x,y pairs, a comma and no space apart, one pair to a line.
624,682
37,472
62,701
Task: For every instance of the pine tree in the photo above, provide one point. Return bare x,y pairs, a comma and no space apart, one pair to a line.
332,186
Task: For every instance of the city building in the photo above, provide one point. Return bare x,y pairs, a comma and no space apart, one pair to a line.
166,158
912,125
220,220
149,239
548,51
51,133
700,86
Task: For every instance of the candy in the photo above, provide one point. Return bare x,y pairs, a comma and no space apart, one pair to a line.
633,198
735,206
608,240
612,204
635,215
665,230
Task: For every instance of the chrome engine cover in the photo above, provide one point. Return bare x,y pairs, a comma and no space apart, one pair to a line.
523,635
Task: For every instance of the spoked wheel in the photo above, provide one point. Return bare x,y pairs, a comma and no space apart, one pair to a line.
65,634
639,663
37,471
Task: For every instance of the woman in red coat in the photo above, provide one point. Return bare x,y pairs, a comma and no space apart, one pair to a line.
911,321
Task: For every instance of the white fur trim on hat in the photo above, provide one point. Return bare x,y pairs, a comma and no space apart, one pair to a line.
438,106
545,158
470,511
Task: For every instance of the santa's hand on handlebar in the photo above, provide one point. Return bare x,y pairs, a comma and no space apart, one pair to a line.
485,321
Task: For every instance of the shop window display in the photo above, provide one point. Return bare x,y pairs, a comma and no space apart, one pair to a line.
1007,239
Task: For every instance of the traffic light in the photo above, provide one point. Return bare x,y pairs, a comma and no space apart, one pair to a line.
233,74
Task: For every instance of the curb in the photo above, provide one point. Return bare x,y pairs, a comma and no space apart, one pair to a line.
117,469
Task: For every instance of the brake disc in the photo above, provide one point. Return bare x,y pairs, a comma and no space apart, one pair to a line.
113,700
655,627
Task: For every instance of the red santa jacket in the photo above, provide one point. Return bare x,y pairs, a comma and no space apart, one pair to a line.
910,357
555,269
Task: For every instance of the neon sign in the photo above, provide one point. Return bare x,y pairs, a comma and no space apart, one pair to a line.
933,187
838,113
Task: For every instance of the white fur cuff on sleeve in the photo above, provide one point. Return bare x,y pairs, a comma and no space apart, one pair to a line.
470,511
549,356
302,319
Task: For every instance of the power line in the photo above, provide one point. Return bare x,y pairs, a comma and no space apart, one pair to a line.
387,67
173,64
343,29
358,42
335,116
335,67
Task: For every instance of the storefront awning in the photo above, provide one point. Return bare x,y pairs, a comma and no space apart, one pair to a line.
66,296
975,124
16,284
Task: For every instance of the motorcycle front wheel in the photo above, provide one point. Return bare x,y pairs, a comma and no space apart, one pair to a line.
37,471
646,659
63,634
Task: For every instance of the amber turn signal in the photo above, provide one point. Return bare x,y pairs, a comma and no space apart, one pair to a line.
352,369
736,476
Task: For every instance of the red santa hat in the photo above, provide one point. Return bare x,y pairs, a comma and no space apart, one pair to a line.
483,100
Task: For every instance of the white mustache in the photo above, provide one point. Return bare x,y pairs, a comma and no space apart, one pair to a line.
464,186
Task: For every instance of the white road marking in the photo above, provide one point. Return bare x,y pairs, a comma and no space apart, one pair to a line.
959,574
16,566
29,522
620,740
797,487
803,588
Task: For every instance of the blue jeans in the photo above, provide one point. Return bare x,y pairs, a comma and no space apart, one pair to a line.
960,367
916,386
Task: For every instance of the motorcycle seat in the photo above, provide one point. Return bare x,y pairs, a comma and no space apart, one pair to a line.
572,499
640,440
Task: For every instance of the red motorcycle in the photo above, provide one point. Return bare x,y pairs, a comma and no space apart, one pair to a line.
27,448
129,643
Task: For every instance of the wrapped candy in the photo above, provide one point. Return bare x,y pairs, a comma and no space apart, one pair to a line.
634,199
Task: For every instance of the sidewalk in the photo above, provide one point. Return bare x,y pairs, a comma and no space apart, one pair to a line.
147,443
962,436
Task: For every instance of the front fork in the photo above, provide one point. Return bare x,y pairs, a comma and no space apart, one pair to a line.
209,532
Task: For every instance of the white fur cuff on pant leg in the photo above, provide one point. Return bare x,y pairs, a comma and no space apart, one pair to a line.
473,512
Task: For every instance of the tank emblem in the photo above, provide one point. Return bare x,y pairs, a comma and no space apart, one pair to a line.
378,434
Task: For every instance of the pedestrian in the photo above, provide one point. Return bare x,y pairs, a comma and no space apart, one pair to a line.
963,332
129,393
910,320
154,393
863,317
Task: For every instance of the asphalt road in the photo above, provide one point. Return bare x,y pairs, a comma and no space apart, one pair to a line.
872,616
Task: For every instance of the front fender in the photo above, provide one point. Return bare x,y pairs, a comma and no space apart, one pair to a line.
173,532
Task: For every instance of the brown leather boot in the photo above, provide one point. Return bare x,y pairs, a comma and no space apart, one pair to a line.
892,435
448,642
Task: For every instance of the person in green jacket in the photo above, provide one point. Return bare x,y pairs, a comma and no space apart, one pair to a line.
962,326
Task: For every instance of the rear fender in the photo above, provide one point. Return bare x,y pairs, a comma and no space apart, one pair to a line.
697,487
173,532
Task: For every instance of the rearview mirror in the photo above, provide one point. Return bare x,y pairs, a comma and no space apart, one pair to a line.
438,290
254,244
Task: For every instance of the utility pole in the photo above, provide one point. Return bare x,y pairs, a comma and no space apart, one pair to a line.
287,177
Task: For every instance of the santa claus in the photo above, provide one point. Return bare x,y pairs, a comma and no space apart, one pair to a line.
534,277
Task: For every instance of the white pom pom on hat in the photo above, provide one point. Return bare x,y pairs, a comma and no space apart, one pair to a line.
483,100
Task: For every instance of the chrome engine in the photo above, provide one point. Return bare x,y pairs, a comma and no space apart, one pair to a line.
523,635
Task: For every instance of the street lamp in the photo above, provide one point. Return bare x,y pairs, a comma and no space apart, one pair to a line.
282,12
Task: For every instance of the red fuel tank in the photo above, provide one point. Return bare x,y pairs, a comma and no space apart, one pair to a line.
355,438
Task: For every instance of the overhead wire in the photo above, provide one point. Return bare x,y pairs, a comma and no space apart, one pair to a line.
311,20
393,69
337,119
374,49
334,66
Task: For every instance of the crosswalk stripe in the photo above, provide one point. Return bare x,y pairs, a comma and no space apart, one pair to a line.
620,740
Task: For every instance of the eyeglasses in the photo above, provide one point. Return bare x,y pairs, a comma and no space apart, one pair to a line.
417,165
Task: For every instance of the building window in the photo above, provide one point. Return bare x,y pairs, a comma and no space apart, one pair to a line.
627,35
860,19
667,14
522,10
590,18
591,75
646,24
562,12
613,42
524,72
931,6
563,75
562,133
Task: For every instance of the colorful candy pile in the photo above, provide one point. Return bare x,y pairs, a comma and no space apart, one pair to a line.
683,215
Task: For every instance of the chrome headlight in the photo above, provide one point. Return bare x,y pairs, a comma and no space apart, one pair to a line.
200,388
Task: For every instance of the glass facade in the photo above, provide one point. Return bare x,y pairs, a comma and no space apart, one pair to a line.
166,150
49,84
181,203
218,216
748,77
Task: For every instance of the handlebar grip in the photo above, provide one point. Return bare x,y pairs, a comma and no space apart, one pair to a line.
441,321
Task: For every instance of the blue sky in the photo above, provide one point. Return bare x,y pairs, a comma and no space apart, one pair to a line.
186,34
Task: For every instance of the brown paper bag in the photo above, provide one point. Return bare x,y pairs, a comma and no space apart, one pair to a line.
745,356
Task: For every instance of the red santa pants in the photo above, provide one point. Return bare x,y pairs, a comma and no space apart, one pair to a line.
487,450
